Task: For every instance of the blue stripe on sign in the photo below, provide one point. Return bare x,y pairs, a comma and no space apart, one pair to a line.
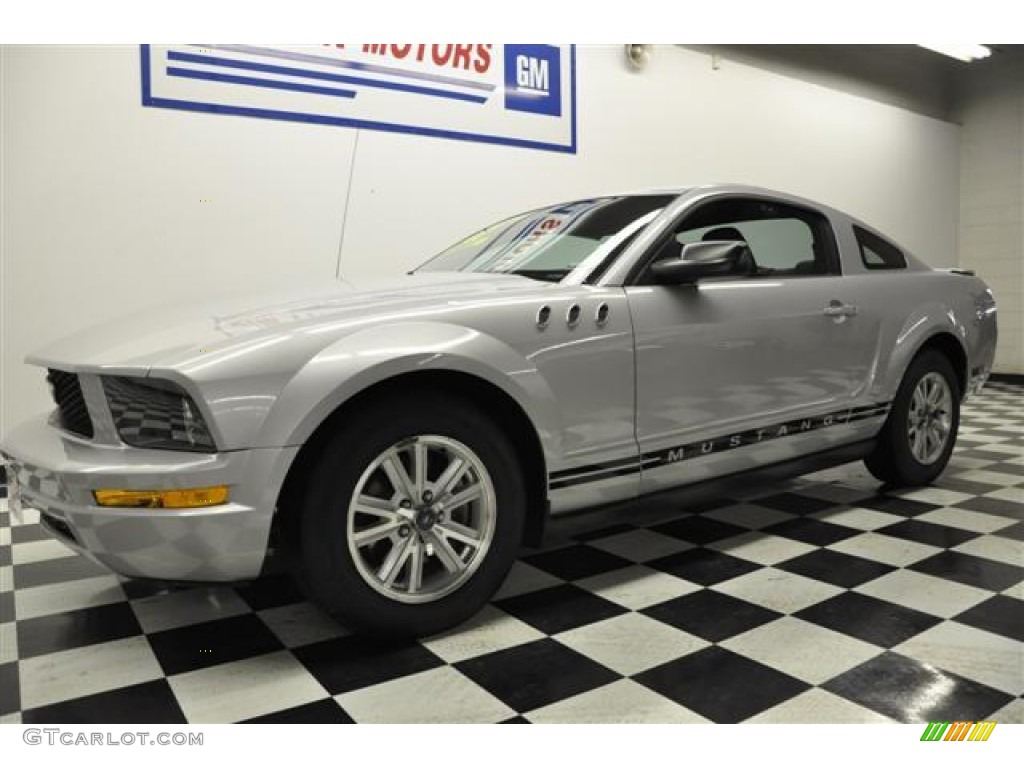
144,62
259,82
342,63
218,61
371,125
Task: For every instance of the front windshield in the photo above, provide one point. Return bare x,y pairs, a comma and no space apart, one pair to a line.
547,244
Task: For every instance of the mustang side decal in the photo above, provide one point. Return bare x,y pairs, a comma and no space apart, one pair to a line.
594,472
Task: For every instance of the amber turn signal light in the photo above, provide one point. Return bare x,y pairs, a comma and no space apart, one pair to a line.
185,498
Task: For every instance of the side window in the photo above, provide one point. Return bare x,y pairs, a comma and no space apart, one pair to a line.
776,245
877,253
784,240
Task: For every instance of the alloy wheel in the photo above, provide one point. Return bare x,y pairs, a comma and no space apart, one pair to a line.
929,418
421,518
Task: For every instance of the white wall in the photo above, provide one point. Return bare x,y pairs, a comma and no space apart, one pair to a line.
101,197
992,199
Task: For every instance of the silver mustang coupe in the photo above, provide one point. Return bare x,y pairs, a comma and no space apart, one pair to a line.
400,441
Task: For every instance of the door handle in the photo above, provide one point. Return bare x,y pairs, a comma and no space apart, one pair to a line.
837,308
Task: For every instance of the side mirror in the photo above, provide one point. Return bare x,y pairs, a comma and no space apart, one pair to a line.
713,258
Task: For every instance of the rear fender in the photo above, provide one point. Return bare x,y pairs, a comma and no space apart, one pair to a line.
923,325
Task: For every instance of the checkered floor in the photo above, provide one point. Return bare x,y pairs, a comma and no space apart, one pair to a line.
821,599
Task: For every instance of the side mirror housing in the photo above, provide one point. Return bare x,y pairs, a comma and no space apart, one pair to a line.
713,258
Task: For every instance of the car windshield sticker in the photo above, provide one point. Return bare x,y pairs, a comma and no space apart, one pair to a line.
536,235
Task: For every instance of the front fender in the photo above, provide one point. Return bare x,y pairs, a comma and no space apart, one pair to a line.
372,355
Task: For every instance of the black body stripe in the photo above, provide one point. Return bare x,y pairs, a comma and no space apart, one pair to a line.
630,469
593,472
606,465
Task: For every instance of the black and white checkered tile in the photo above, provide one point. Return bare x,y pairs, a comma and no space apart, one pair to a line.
821,599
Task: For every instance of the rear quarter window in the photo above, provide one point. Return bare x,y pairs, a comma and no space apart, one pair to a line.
876,253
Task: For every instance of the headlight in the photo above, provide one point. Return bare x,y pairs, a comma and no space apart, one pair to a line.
156,413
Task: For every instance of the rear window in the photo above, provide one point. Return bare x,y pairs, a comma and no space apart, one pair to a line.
877,253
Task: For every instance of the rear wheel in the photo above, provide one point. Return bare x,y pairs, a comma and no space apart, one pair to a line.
413,517
918,437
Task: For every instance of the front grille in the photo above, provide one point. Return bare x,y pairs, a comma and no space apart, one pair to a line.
67,393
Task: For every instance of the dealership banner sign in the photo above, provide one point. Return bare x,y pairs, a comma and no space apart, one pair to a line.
521,95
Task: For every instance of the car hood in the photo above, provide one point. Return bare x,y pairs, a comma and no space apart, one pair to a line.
309,315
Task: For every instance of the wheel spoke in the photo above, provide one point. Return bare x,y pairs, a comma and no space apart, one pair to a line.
451,475
419,466
374,534
465,496
915,402
443,551
416,561
392,565
397,476
461,533
918,444
371,505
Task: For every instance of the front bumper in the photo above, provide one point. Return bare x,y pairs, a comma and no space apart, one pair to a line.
56,473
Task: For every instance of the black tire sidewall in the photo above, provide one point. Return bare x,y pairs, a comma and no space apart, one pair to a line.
325,562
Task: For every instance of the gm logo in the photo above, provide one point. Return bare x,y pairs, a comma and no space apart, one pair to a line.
533,75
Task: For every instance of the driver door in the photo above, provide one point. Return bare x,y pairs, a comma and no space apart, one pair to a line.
723,362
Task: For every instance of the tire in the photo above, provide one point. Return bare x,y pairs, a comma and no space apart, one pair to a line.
918,437
364,534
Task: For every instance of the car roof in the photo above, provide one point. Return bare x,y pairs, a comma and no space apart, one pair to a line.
747,189
727,188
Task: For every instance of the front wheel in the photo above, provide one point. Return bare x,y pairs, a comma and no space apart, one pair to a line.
413,517
918,437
